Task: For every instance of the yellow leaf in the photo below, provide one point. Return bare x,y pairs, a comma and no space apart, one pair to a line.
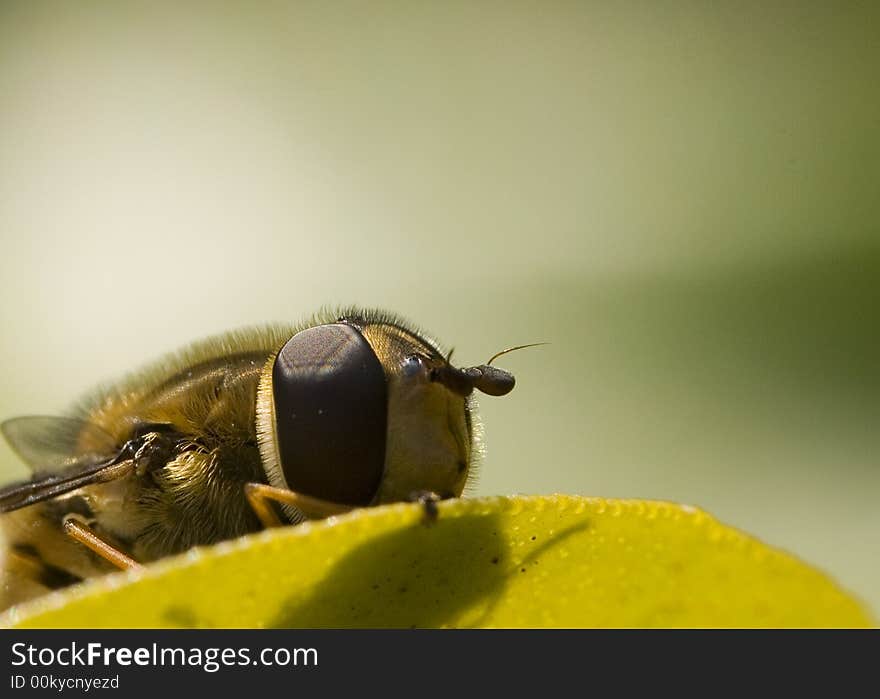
555,561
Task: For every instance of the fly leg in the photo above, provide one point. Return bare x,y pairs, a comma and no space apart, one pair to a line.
78,530
428,499
260,496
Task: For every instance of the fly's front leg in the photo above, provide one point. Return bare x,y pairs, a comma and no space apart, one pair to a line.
260,496
78,530
261,505
428,499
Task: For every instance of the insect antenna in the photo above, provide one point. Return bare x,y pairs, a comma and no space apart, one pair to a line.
513,349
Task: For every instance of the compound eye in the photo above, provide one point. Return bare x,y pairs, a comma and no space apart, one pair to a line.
331,409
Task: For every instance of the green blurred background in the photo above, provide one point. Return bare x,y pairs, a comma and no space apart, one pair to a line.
683,198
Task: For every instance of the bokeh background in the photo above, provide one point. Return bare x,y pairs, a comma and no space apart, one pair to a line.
683,198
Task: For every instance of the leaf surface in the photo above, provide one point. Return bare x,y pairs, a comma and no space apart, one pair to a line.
539,561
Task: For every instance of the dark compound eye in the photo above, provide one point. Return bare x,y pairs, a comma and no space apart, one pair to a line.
331,406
